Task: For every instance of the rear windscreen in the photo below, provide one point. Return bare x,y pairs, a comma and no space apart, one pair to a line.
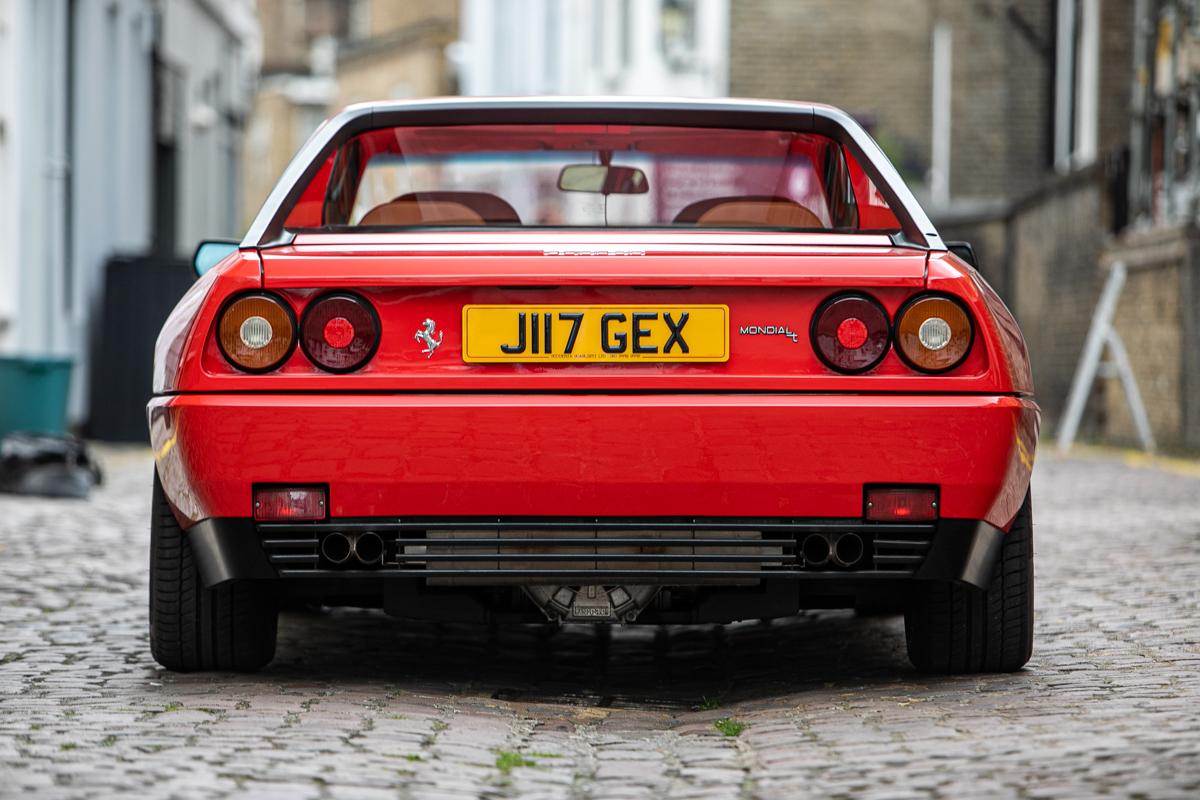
588,176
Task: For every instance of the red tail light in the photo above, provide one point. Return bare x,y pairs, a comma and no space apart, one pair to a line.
901,504
339,332
289,504
850,333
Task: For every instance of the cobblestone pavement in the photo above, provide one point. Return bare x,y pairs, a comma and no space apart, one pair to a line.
358,705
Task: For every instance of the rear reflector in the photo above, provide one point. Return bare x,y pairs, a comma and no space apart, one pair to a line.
286,504
901,504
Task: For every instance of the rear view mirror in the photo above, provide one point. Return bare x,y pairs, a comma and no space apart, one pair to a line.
602,179
210,252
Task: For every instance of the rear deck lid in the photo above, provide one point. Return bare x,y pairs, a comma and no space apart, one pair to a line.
583,259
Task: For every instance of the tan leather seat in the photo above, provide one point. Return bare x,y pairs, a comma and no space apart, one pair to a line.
742,212
416,212
442,208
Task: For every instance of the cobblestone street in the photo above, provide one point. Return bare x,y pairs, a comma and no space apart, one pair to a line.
358,705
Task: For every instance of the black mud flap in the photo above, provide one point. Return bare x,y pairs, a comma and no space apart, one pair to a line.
227,550
964,551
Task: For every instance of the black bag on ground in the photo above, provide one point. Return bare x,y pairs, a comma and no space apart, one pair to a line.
51,466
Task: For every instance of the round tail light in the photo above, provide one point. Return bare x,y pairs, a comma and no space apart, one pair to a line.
850,333
933,333
339,332
256,332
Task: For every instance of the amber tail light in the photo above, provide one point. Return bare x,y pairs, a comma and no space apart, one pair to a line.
850,333
256,332
933,333
339,332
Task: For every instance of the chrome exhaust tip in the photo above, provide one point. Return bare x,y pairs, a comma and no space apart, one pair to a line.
848,549
336,548
816,550
368,548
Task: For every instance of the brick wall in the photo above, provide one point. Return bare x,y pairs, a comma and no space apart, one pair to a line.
403,56
999,97
874,63
989,236
877,64
1057,249
284,43
389,16
1148,319
1028,28
289,28
1157,318
1056,238
1116,58
417,69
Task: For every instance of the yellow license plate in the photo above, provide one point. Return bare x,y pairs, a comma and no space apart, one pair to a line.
565,334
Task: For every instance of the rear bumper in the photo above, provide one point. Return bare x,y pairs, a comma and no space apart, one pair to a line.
653,455
528,552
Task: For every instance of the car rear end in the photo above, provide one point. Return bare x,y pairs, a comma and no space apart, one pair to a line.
744,408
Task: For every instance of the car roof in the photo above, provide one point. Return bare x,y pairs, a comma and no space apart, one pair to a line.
918,230
665,103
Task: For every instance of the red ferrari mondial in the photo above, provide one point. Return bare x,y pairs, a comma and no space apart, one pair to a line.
606,361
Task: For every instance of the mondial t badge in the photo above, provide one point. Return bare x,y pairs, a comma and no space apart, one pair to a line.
768,330
424,335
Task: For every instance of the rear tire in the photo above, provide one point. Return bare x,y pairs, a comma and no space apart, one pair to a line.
228,627
955,628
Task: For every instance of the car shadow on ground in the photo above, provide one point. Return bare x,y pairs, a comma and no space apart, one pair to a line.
644,666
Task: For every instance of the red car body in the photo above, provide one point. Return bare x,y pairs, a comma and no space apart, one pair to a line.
771,439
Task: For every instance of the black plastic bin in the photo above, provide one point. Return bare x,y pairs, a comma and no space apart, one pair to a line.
139,293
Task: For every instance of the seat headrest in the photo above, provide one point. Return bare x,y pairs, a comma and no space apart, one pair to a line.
752,211
443,208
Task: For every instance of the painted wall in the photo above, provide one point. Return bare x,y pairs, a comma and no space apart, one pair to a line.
78,128
640,47
8,190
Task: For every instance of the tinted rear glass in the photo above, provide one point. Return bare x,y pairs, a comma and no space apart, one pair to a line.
618,176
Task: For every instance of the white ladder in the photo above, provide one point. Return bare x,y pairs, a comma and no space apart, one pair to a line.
1103,333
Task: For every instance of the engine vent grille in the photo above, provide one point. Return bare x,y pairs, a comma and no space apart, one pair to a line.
494,551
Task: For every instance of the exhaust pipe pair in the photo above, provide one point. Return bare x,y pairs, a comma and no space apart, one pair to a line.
365,547
842,549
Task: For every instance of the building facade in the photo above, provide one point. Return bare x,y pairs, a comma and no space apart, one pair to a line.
397,49
976,103
644,47
322,55
1158,314
120,127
